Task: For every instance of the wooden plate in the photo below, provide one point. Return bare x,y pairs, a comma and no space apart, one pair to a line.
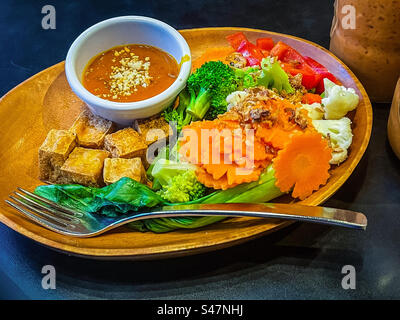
45,101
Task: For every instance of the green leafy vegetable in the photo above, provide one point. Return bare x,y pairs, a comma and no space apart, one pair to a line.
118,198
129,195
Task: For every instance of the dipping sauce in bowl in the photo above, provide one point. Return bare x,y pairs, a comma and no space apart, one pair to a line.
130,73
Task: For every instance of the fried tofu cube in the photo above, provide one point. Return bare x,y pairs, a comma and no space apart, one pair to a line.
126,143
84,166
117,168
91,129
153,129
54,152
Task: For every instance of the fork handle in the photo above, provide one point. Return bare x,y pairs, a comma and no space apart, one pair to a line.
323,215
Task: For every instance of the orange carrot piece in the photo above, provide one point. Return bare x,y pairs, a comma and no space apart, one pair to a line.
303,164
212,54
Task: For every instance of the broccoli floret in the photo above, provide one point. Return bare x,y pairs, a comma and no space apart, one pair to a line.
339,134
213,112
183,187
338,100
209,86
179,114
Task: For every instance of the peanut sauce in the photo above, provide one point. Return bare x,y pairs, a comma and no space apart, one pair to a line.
130,73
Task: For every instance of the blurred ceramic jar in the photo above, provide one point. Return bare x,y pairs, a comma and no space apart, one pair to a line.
365,35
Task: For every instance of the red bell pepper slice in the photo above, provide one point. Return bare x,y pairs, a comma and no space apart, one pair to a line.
279,50
252,53
265,43
310,78
310,98
236,39
294,63
323,72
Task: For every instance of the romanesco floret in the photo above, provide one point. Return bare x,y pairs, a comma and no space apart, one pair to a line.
184,187
339,134
315,111
338,100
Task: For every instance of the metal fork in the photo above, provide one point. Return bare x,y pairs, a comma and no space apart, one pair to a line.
79,224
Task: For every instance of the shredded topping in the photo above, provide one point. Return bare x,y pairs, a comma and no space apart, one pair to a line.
131,73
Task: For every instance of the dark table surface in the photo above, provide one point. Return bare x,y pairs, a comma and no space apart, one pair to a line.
300,262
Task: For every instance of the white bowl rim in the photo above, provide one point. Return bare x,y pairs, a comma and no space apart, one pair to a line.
92,99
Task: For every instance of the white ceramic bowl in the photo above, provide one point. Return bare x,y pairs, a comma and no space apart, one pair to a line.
121,31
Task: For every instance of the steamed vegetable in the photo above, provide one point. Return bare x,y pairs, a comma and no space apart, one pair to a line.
315,111
222,163
183,187
236,97
165,170
310,98
271,75
118,198
339,134
247,78
129,195
209,86
262,190
212,54
179,115
303,165
338,100
177,180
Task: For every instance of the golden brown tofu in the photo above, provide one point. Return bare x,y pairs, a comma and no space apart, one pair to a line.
84,166
91,129
117,168
153,129
53,152
125,143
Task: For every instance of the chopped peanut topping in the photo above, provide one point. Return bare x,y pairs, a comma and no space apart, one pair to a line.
131,73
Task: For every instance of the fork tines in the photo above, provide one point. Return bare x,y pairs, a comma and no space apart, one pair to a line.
44,211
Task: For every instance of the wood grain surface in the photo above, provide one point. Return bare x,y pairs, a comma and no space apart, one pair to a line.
394,122
45,101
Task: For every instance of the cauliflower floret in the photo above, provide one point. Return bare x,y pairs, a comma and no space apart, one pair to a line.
339,134
235,98
338,100
315,111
